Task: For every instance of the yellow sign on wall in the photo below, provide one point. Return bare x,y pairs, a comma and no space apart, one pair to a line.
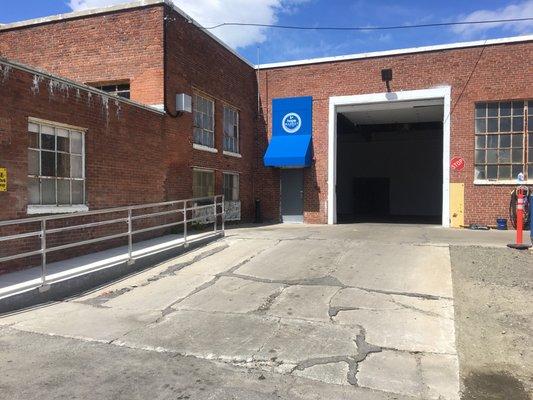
3,179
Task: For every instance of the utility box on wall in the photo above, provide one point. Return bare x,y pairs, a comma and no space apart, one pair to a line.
183,103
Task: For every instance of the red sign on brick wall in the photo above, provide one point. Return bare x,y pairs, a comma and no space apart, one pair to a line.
457,164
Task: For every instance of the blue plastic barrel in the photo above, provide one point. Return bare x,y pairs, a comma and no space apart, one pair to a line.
502,224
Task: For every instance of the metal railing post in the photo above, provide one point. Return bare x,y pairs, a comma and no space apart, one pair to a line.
215,213
130,240
185,224
223,216
43,250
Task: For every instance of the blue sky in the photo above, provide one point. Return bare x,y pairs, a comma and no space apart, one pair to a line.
281,45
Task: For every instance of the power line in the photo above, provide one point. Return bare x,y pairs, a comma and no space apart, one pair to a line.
467,81
367,28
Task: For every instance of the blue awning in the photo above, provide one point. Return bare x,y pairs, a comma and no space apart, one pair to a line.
289,151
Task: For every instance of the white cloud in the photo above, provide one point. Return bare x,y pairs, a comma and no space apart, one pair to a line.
213,12
523,9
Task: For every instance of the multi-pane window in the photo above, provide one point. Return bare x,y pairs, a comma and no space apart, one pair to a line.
231,187
203,183
204,121
231,130
55,165
121,90
501,152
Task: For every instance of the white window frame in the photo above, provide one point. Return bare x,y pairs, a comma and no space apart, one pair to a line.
116,89
231,130
203,132
235,191
36,124
195,186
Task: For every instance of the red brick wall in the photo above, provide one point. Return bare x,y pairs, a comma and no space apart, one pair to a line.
198,63
133,155
130,44
101,48
125,158
504,72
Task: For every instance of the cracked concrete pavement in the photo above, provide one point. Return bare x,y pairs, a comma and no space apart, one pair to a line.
331,309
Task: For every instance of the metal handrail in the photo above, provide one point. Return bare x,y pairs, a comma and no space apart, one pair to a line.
182,208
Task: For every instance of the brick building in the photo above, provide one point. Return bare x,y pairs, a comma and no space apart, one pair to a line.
138,52
443,145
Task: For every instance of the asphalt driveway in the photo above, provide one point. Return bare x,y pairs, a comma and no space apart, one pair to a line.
292,312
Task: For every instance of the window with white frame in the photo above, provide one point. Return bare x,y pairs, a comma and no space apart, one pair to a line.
203,183
204,121
231,129
56,173
503,147
231,186
120,90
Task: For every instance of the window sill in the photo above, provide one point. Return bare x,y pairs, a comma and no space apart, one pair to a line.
232,154
51,209
204,148
502,183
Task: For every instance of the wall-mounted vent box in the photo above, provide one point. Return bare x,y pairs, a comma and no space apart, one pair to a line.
183,103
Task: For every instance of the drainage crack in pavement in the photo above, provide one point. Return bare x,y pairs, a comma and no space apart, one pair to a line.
262,346
329,280
353,362
363,350
100,300
423,389
263,308
335,310
419,310
330,307
406,294
170,309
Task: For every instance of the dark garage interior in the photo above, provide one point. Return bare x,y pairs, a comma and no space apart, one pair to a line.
389,164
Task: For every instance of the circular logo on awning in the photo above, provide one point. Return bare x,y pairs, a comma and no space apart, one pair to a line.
291,123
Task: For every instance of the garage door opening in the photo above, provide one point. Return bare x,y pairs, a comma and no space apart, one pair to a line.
390,162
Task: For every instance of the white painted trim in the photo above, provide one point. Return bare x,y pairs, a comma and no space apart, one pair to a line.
443,92
395,52
51,209
56,124
203,169
482,182
232,154
201,147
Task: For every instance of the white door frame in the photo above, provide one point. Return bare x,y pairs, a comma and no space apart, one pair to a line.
442,92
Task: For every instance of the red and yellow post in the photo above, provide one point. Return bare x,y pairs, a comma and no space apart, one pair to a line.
521,193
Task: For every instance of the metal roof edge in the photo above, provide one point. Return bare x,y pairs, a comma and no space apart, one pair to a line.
395,52
31,70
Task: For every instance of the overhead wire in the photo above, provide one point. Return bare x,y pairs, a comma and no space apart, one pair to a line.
367,28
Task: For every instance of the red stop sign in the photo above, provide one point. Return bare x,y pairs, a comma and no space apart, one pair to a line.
457,163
